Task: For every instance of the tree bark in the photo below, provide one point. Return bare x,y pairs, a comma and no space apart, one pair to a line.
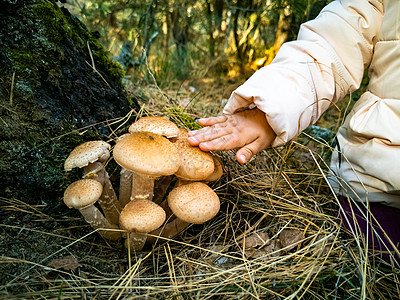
55,80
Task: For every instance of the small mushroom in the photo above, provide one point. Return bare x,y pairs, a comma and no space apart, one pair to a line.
149,156
82,195
91,156
159,125
193,203
140,217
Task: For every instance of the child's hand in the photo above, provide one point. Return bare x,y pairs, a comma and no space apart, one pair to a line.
247,130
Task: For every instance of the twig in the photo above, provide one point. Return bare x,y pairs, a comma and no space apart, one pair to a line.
12,89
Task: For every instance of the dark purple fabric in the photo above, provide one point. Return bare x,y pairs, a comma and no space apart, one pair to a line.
388,218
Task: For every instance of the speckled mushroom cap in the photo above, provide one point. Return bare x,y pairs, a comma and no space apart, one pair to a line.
195,163
147,153
86,153
159,125
82,193
142,216
194,203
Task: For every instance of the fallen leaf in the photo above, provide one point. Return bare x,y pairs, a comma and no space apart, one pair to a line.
259,245
266,252
255,240
67,263
290,238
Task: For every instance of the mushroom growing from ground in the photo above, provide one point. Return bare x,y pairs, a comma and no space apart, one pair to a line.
192,203
149,156
196,164
166,128
91,156
140,217
82,195
159,125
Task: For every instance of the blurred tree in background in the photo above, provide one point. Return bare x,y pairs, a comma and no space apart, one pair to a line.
180,39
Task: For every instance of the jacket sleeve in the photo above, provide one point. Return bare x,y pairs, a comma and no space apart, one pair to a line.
325,63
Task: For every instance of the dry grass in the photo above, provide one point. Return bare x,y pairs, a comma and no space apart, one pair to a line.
282,188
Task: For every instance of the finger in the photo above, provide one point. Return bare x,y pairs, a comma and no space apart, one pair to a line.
245,153
208,134
225,142
212,121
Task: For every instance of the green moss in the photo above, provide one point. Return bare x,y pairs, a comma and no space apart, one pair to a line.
37,46
182,119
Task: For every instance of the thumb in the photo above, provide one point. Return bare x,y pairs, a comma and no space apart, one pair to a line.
245,153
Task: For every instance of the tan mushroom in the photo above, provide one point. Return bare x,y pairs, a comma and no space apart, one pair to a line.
193,203
82,195
149,156
138,218
159,125
91,156
196,164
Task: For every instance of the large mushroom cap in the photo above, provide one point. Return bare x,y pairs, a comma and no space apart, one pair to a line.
194,202
147,153
86,153
142,216
82,193
195,163
159,125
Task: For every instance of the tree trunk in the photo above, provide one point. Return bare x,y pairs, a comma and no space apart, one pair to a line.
55,78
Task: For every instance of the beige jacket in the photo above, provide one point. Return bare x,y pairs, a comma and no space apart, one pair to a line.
326,63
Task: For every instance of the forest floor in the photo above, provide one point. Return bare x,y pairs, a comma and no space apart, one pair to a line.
50,253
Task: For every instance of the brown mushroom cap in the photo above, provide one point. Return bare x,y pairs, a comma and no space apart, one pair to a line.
82,193
86,153
195,163
194,202
159,125
147,153
142,216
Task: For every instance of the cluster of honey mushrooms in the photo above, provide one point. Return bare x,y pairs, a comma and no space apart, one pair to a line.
153,150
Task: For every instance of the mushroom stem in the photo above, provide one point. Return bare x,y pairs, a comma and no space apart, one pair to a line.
170,230
96,219
125,187
160,188
168,212
182,181
135,241
142,186
108,199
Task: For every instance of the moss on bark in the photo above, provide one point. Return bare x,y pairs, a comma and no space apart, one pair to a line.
48,91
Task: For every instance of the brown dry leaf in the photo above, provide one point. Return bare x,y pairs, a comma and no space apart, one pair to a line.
266,252
259,245
67,263
255,240
290,238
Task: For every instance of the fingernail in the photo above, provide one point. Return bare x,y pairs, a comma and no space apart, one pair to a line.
242,158
204,146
